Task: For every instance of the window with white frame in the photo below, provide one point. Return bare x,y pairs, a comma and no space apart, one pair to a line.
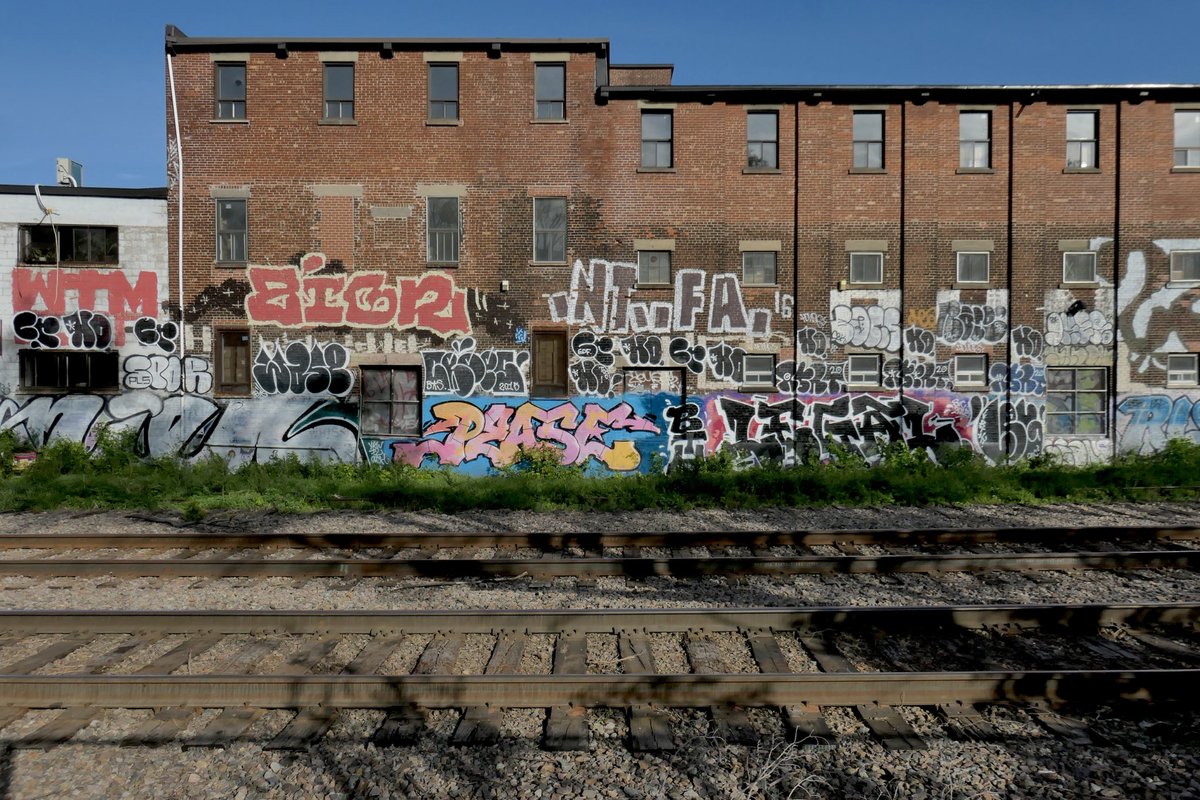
1183,369
1079,267
550,229
974,267
759,268
654,266
657,138
1081,139
443,231
864,370
1185,265
866,267
974,139
970,369
868,139
758,370
1076,400
1187,138
231,230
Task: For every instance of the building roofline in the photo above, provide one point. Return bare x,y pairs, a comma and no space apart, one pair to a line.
176,41
812,94
642,66
150,193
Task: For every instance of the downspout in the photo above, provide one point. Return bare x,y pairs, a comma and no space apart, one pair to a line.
179,194
795,280
1116,273
1008,407
903,239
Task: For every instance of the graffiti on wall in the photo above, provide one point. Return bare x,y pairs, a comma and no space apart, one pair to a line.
83,330
61,294
464,371
168,374
307,296
152,333
1146,422
1142,304
302,368
969,323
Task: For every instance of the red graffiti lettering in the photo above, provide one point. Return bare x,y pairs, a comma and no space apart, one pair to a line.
432,302
47,292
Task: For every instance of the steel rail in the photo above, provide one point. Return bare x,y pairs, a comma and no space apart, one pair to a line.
588,539
600,567
1074,617
1057,687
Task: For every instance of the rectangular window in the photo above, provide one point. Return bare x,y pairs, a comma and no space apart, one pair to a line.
233,362
974,139
1079,267
550,91
758,370
1082,135
339,91
762,140
1185,265
231,230
654,266
868,140
759,268
443,91
656,139
74,244
62,369
1076,400
974,267
550,229
970,370
231,91
866,267
391,401
864,370
1182,370
549,364
443,231
1187,138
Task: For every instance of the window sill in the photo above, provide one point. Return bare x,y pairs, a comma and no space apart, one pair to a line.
547,263
337,121
230,396
1081,171
231,264
654,286
762,171
666,170
971,387
865,284
974,171
229,121
439,123
1183,385
1193,170
760,285
536,121
866,171
972,285
441,264
758,387
1079,285
864,387
58,390
1182,284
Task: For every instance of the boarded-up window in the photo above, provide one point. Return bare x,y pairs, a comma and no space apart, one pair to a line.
233,362
550,363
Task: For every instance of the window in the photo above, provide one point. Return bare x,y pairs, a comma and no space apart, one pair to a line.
864,370
762,140
1079,267
339,91
970,370
443,91
233,362
656,139
231,230
443,231
1187,138
64,369
549,364
550,229
550,91
868,140
866,267
75,244
1081,139
231,91
758,370
974,139
758,268
1076,400
654,266
974,267
1182,370
391,401
1185,265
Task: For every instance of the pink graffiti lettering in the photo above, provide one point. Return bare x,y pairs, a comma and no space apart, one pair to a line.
47,292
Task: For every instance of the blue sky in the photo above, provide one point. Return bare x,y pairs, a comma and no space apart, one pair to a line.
85,79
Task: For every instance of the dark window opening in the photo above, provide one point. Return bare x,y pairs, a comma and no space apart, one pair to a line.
68,244
231,91
233,362
61,369
391,401
550,364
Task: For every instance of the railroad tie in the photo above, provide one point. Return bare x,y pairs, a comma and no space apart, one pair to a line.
730,722
1072,729
648,727
967,724
566,726
52,652
884,722
309,724
232,722
403,724
481,724
805,723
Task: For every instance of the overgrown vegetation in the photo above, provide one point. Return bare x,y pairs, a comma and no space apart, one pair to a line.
111,475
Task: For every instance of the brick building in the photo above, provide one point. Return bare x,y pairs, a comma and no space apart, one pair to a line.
439,251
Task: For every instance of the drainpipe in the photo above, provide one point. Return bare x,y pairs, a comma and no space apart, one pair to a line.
179,193
795,279
1008,407
903,238
1116,273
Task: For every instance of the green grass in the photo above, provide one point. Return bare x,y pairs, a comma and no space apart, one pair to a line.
65,475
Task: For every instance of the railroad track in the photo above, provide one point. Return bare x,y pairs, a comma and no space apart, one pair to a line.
795,662
692,554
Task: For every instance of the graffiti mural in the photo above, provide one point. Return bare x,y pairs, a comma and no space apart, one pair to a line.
1146,422
108,293
1142,305
464,371
300,368
168,374
153,333
82,330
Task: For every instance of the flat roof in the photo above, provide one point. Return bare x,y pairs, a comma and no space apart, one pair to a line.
179,42
51,190
874,93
